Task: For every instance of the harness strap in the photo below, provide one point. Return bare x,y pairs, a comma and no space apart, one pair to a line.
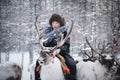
64,66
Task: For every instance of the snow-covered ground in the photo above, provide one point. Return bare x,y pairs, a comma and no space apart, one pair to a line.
23,59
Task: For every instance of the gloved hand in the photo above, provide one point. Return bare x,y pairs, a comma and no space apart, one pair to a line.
54,36
60,30
51,42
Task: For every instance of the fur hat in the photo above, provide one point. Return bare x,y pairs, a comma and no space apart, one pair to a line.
57,18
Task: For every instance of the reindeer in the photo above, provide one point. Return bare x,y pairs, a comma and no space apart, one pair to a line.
10,71
116,41
50,64
109,59
97,67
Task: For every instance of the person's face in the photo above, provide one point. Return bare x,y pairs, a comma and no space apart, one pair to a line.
55,25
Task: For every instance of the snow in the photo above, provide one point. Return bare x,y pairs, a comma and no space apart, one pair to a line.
17,58
23,60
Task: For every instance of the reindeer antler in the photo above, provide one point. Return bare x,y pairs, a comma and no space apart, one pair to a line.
90,58
39,31
104,46
92,49
36,27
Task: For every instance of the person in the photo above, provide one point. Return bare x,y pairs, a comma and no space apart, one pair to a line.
57,25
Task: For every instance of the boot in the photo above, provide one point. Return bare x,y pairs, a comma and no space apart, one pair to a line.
70,77
37,71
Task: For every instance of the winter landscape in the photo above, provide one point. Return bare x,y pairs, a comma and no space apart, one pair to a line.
98,20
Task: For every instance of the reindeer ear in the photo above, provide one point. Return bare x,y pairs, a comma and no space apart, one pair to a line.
57,51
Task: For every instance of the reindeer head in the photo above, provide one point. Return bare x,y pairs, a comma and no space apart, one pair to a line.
108,51
105,54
